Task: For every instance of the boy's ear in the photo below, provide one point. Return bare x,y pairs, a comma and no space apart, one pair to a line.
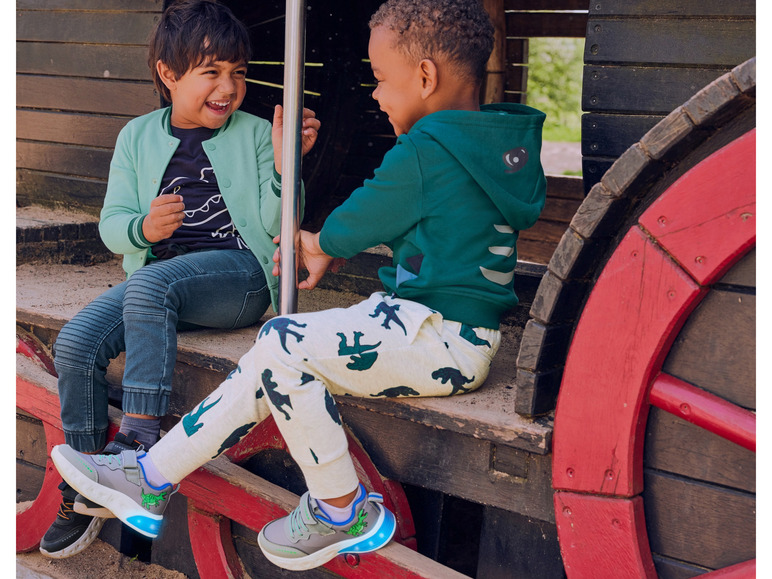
166,75
429,77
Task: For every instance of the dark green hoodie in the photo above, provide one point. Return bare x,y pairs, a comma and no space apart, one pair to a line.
450,199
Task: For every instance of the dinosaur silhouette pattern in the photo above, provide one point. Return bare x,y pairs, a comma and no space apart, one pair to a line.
396,391
234,437
278,399
332,409
282,328
456,378
236,370
361,356
468,333
389,314
190,422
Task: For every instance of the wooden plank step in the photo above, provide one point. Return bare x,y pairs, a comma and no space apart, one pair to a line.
45,235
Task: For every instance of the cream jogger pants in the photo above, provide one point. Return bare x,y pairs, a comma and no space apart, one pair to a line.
381,347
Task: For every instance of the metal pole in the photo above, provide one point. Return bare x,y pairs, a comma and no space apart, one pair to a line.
292,152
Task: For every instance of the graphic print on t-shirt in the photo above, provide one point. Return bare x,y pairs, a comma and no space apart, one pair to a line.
207,223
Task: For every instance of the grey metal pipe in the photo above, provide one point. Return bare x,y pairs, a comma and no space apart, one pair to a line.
292,151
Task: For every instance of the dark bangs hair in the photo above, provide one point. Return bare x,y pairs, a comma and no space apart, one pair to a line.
192,33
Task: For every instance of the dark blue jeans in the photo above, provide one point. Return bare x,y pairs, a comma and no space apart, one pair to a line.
212,289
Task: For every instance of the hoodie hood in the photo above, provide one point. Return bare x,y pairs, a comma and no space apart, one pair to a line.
500,148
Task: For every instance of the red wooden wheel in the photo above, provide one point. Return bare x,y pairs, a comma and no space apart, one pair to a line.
658,274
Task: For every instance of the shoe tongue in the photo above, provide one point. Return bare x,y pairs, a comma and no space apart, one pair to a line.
309,510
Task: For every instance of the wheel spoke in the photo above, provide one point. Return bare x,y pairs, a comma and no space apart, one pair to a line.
705,410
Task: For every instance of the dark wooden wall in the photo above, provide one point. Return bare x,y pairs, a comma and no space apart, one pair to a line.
643,58
81,74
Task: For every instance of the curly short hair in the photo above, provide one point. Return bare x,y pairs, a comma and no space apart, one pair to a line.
458,31
193,32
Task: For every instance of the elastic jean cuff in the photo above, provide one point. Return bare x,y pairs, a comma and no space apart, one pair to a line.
150,404
86,442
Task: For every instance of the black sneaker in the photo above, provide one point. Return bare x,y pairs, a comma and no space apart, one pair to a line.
79,520
71,532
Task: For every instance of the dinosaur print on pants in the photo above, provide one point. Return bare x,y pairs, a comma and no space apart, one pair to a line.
277,398
457,379
281,326
361,357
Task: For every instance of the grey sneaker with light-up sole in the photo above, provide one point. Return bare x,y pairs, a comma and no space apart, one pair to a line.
117,482
307,538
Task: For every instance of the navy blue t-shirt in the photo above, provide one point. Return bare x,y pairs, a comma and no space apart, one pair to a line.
207,223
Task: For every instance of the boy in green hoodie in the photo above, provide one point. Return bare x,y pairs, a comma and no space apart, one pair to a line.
449,200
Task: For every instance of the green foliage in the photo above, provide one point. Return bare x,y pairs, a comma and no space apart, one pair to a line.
555,85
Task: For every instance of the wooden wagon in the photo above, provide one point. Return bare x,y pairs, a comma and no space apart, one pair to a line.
615,436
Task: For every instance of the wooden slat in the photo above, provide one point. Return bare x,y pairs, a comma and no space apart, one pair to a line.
696,42
544,231
546,24
565,187
65,159
85,27
545,5
122,5
642,89
670,8
516,78
610,135
33,187
678,447
517,50
90,96
75,129
94,61
716,348
559,210
700,523
534,251
743,274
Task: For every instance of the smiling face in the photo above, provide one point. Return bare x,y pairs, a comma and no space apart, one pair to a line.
206,95
400,83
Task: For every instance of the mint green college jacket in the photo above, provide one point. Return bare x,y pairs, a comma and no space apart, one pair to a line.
241,154
450,199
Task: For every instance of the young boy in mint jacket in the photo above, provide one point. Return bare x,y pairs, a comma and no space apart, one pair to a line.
449,199
193,204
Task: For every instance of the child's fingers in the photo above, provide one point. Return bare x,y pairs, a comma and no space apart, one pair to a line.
278,114
166,199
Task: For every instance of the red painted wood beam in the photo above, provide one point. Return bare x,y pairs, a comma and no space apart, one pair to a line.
602,537
707,218
213,550
705,410
746,570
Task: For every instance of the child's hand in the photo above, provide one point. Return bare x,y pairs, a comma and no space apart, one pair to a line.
309,257
166,215
310,130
